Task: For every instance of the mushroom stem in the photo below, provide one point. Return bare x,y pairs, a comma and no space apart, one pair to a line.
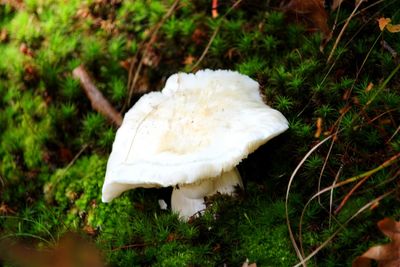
188,199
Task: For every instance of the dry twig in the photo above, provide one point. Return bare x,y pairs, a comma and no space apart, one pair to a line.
98,101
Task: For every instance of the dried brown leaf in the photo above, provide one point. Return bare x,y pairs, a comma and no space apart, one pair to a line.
189,60
319,127
151,58
393,28
71,250
387,255
312,11
24,49
369,87
89,230
199,36
3,35
5,209
383,22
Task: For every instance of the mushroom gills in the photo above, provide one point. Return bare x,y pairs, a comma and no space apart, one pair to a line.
188,199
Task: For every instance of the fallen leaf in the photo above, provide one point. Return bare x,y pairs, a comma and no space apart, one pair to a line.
393,28
5,209
387,255
171,237
312,11
199,36
24,49
384,23
346,94
89,230
126,64
189,60
151,58
3,35
319,128
369,87
30,73
71,250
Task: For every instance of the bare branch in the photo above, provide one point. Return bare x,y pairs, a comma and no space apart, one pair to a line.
98,101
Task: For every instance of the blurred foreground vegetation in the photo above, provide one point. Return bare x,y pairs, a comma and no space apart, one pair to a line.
54,146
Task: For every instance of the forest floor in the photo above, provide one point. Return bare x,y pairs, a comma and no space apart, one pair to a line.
319,189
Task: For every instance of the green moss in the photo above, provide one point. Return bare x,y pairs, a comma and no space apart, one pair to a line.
24,27
13,63
54,147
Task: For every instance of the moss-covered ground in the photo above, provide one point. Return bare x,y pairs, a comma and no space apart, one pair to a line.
54,146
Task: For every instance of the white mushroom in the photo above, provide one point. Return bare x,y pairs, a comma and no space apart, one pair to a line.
191,135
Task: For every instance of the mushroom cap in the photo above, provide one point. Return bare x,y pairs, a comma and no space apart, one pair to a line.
199,126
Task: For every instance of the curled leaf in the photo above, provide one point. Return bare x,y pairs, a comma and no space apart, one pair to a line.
384,23
393,28
387,255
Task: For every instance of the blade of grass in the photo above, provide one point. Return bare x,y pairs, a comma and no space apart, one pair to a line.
31,221
342,31
205,51
349,180
383,85
349,194
26,235
292,238
366,206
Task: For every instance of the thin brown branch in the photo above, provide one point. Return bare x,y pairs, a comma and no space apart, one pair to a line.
205,51
347,197
133,246
393,52
98,101
394,134
140,245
